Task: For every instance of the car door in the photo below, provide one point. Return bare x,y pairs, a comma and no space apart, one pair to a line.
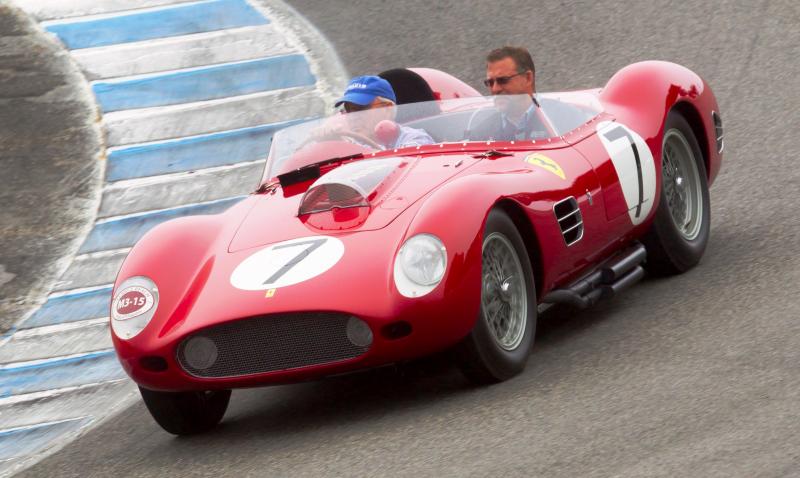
568,199
625,168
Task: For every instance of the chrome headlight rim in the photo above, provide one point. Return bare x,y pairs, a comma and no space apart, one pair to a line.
408,280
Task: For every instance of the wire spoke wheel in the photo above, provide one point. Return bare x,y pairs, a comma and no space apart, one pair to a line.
682,186
680,229
499,344
503,296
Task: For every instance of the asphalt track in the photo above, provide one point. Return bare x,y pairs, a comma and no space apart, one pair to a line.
697,375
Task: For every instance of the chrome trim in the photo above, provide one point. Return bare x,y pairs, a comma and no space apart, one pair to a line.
576,211
580,236
573,227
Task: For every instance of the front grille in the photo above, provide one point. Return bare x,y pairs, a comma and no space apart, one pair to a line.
570,221
270,343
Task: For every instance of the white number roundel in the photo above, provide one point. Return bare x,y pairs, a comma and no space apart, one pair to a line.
635,167
287,263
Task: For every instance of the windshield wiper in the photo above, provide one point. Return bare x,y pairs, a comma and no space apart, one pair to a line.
312,171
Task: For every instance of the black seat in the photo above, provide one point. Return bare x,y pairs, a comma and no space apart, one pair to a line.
410,87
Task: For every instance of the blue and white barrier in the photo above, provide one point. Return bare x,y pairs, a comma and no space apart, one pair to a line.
190,94
192,153
158,22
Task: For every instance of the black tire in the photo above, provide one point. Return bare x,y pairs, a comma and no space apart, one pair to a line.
670,251
481,357
186,413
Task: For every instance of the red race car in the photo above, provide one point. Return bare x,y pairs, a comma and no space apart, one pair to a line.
356,253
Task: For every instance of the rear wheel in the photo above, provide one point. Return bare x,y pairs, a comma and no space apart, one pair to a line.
186,413
499,344
679,233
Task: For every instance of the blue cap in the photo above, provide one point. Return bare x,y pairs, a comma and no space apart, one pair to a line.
362,90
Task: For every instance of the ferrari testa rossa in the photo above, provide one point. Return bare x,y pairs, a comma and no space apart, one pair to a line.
352,254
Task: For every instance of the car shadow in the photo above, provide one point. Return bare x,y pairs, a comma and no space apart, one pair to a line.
395,389
391,391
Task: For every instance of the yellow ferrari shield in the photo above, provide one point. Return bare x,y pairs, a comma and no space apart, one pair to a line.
270,293
545,163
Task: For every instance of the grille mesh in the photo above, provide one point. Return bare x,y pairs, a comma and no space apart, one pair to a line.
274,342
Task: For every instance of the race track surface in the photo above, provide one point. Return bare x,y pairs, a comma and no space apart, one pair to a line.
696,375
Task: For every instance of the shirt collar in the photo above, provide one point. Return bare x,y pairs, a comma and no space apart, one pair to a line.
525,118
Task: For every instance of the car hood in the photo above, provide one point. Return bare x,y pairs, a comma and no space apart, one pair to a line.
395,183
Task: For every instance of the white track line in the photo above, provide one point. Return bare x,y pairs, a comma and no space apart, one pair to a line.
180,52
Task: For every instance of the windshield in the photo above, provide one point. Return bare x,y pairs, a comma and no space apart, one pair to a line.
497,118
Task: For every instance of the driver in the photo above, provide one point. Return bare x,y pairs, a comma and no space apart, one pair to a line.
374,94
511,78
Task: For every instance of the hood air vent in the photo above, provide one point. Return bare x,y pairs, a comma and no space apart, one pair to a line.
569,218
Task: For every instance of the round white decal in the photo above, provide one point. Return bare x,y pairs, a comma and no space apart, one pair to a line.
635,167
132,302
287,263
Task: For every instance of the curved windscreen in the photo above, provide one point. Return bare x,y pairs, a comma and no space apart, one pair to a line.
496,118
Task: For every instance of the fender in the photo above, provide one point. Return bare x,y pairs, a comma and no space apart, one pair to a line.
457,212
177,256
643,94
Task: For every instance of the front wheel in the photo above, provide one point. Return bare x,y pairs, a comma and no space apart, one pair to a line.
679,233
186,413
499,344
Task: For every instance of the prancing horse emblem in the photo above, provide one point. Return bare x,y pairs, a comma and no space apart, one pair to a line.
545,163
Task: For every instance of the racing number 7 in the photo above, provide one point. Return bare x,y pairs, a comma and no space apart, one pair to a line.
312,246
618,133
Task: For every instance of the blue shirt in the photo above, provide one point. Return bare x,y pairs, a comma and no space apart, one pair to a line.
411,137
525,128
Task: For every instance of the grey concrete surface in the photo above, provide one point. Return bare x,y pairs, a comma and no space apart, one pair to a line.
696,375
49,163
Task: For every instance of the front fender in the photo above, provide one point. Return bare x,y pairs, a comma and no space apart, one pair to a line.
178,256
457,212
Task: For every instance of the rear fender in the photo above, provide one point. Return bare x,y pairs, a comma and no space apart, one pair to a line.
643,94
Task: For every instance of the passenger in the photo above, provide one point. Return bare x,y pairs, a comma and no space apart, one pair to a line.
510,71
376,94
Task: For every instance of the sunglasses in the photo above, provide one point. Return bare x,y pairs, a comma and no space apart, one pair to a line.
352,107
500,80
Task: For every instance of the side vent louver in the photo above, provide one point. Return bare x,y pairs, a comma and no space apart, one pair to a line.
569,218
718,131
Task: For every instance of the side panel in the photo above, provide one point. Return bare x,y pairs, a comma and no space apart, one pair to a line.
535,181
626,169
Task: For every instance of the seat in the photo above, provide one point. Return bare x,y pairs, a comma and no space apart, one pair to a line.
410,87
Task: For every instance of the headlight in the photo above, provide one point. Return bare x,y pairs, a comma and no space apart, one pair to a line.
133,306
420,265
